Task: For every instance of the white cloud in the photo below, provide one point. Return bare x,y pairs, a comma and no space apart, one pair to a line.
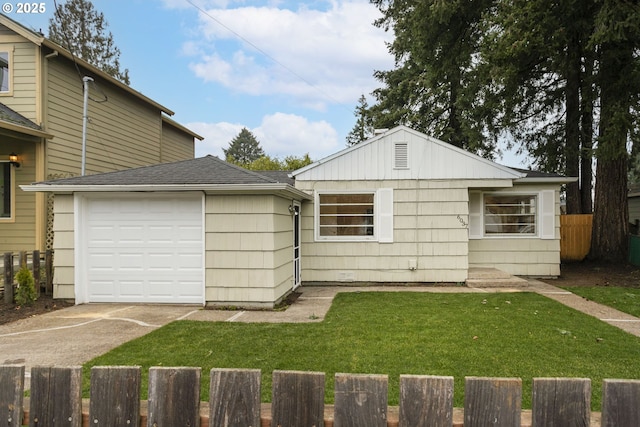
279,134
317,56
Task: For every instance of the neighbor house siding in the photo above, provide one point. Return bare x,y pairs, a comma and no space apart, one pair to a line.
23,77
18,234
525,256
63,246
430,230
175,144
123,131
248,255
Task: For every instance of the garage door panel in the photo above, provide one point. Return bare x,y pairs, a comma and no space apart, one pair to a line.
146,249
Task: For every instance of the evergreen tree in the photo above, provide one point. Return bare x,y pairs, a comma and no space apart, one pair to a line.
79,28
363,128
243,149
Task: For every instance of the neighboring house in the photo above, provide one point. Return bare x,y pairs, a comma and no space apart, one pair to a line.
41,122
633,199
399,208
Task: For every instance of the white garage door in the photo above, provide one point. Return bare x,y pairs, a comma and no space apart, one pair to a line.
143,248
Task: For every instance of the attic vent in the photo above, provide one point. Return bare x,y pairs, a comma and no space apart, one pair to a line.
401,155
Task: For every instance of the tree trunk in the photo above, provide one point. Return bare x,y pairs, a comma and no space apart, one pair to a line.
611,213
572,124
586,136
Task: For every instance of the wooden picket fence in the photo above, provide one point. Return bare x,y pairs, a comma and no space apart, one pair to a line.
34,260
297,400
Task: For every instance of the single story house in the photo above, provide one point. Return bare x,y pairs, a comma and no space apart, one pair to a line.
401,207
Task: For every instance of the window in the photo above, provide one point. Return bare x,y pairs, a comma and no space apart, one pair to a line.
5,82
510,214
5,190
346,215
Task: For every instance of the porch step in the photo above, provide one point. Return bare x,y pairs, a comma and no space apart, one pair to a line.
493,278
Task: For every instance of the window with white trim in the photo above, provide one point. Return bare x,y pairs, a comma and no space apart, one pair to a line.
346,215
6,187
5,72
355,215
510,214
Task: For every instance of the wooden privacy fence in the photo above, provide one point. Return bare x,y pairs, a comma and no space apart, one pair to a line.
43,279
575,236
298,400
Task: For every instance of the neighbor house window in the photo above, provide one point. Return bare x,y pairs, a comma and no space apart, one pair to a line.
348,215
5,190
5,82
510,214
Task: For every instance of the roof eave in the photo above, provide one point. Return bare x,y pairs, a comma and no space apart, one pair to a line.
24,129
548,180
182,128
281,189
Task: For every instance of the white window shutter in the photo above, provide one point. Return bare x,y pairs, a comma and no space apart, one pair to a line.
547,214
475,215
385,215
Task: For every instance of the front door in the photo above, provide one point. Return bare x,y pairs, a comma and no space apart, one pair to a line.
296,245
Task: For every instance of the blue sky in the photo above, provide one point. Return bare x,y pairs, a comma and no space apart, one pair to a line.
289,71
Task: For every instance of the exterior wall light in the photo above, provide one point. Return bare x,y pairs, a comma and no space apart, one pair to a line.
13,159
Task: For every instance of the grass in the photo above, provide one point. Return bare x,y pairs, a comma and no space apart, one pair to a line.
620,298
498,335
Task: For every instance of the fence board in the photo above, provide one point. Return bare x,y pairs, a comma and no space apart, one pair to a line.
115,396
11,394
174,397
297,399
360,400
234,397
561,402
56,396
620,403
8,277
575,236
425,401
492,401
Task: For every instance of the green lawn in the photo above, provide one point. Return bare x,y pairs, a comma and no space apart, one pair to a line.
500,335
620,298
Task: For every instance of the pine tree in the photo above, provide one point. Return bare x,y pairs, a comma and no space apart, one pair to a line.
363,129
79,28
243,149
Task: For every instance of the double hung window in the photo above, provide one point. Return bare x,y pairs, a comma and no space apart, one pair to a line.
348,215
510,214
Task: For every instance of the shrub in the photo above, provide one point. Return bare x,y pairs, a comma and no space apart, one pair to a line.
26,289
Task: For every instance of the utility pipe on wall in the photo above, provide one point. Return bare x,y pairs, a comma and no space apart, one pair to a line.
85,118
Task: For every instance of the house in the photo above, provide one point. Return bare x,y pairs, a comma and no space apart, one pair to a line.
195,231
41,129
401,207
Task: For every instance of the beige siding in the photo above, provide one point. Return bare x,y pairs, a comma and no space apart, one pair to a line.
429,229
19,233
520,256
123,131
63,246
248,254
176,145
24,77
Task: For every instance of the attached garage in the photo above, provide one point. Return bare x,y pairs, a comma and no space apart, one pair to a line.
141,249
199,231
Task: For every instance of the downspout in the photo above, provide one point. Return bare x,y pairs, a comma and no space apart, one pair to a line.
85,118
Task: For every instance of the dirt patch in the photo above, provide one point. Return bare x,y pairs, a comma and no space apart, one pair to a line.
596,274
44,304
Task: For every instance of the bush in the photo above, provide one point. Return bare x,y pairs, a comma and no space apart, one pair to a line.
26,289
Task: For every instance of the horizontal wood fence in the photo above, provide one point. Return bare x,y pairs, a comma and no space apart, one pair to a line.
298,400
11,262
575,236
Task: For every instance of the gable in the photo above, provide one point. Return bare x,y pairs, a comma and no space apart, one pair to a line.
403,153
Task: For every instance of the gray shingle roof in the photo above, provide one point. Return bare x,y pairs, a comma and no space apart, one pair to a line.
537,174
10,116
202,170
